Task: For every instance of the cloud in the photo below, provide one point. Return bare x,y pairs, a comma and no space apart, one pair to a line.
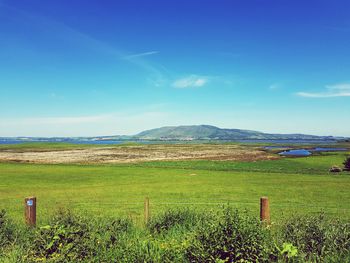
81,39
338,90
191,81
141,54
274,86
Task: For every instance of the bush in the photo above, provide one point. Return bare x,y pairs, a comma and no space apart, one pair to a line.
7,231
347,164
184,218
233,237
317,237
112,232
66,239
177,236
148,249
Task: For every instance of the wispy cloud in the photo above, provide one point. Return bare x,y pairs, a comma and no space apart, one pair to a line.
191,81
338,90
82,39
275,86
144,54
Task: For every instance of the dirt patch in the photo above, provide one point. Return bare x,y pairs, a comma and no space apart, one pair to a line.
128,154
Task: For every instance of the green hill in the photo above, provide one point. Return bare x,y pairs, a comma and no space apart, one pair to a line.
208,132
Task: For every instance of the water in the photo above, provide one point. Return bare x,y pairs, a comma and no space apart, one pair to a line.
282,143
325,149
275,147
291,142
14,141
9,142
307,152
82,141
299,152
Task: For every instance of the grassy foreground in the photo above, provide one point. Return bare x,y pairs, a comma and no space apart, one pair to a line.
293,185
104,220
181,235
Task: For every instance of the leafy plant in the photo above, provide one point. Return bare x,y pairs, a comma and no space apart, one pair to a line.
318,237
7,230
184,218
234,237
67,238
288,251
177,236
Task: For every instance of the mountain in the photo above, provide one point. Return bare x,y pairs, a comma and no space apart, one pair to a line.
208,132
179,133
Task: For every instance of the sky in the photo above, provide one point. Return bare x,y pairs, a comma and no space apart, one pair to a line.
108,67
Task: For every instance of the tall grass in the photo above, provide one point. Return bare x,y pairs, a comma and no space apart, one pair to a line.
176,236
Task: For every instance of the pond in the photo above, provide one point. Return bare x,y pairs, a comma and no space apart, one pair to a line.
298,152
307,152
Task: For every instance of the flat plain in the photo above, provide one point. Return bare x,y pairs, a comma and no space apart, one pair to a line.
205,180
129,153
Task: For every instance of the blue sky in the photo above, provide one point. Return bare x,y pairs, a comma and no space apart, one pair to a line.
86,68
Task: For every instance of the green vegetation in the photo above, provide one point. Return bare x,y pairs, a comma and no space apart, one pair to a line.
57,146
208,132
347,164
319,164
44,146
104,223
294,185
228,235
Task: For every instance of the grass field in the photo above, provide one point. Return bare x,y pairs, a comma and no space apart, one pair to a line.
294,185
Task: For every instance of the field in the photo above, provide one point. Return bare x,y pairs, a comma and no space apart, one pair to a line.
129,153
293,185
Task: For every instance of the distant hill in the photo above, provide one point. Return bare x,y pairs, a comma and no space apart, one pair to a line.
208,132
180,133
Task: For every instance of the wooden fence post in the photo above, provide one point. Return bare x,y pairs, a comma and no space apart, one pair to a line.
264,210
146,210
30,210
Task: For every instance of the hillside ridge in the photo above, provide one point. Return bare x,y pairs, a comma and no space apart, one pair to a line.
210,132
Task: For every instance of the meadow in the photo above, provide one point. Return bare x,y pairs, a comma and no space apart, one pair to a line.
202,210
293,185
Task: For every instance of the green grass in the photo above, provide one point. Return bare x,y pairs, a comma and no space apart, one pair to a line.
294,185
319,164
44,146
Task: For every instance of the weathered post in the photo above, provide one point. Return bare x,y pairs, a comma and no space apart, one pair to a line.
264,210
30,210
146,210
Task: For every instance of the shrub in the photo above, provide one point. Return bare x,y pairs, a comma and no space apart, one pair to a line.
7,230
347,164
318,237
66,239
184,218
148,249
112,231
177,236
288,252
233,237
